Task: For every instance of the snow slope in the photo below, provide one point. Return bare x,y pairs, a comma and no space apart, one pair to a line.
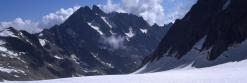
232,72
197,58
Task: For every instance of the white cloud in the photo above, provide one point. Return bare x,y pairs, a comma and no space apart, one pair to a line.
150,10
114,42
21,24
153,11
57,17
47,21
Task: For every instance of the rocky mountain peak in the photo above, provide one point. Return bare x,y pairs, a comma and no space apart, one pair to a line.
89,42
98,11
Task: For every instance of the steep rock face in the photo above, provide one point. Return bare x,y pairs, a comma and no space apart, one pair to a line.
118,40
89,42
221,24
24,58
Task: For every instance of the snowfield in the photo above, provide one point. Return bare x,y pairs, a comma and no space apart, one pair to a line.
232,72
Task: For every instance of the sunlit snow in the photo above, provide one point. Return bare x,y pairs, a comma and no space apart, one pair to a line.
104,19
233,72
130,34
96,28
10,70
145,31
7,33
42,42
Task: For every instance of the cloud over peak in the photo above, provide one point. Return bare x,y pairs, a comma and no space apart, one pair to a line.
151,10
47,21
114,42
21,24
57,17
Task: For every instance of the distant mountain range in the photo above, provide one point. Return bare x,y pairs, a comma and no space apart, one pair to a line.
89,42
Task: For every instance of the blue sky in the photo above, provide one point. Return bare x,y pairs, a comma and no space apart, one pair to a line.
33,14
35,9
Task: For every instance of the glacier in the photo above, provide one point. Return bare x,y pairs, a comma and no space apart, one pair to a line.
232,72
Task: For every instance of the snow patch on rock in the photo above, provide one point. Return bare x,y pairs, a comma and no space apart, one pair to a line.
96,28
144,31
96,56
42,42
130,34
75,58
7,53
57,57
7,33
104,19
10,70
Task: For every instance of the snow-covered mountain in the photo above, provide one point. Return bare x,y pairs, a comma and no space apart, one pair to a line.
208,45
89,42
23,57
212,33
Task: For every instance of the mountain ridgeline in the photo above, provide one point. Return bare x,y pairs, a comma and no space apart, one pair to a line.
92,42
89,42
208,35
